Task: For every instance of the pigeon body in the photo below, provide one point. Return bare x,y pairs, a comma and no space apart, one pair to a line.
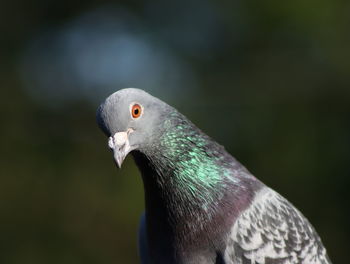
202,205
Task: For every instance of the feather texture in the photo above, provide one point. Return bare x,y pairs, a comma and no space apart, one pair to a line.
272,230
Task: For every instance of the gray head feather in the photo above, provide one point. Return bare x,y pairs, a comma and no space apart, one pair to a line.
114,115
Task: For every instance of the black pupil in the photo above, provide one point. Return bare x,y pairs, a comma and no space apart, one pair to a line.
136,111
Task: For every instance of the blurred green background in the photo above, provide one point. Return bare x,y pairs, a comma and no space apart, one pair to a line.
270,80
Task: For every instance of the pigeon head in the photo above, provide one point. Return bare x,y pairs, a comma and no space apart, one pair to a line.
130,118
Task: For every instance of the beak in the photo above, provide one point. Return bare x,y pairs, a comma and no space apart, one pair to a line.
120,145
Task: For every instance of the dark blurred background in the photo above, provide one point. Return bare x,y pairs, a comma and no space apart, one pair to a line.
270,80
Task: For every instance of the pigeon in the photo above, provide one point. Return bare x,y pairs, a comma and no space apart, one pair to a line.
201,205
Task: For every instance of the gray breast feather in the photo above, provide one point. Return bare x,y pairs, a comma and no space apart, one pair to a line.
273,231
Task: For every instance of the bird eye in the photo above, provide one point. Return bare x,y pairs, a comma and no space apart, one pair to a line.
136,111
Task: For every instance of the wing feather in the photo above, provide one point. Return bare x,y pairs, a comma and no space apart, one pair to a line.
273,231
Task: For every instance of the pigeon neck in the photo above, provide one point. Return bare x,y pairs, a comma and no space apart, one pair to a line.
187,163
181,219
187,179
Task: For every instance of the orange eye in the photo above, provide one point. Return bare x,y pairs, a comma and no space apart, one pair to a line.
136,111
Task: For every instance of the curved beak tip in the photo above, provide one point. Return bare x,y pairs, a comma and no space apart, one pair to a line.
119,157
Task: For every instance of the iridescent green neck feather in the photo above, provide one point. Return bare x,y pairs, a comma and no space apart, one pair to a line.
191,167
192,185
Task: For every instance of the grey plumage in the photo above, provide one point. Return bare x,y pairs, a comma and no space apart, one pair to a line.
272,230
202,206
